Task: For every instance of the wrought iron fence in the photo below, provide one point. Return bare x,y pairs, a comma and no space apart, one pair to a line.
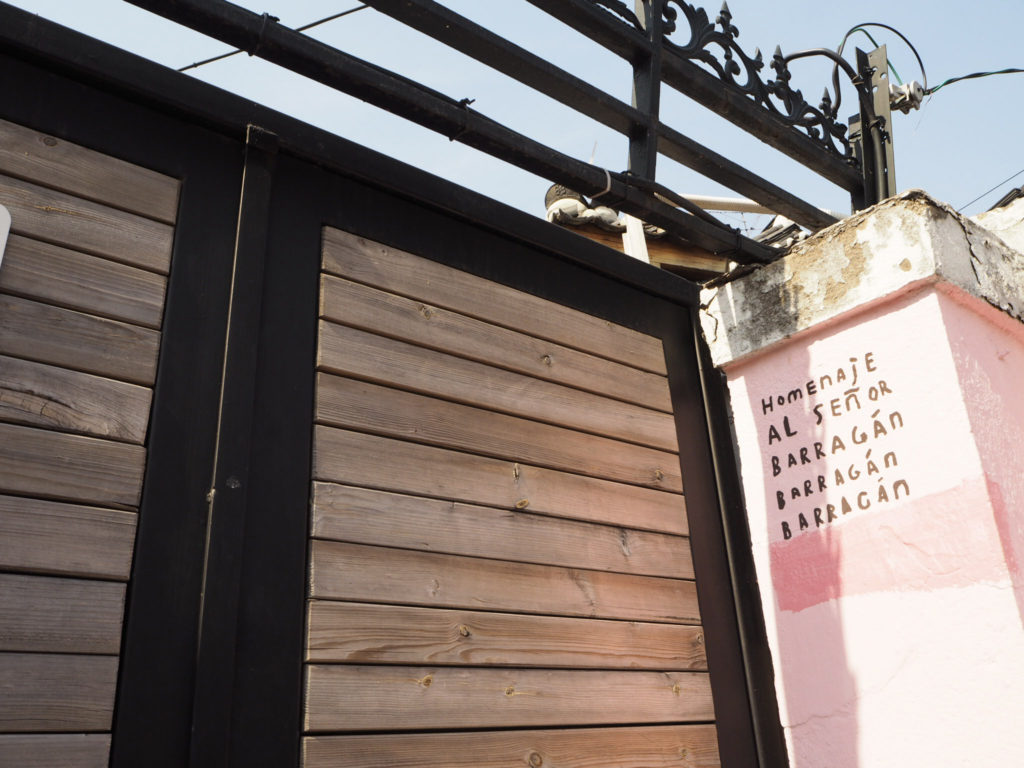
666,42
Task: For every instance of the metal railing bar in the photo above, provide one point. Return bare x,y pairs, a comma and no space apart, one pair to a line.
262,36
683,150
488,48
600,26
506,57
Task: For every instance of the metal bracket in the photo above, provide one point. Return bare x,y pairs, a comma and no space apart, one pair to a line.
871,134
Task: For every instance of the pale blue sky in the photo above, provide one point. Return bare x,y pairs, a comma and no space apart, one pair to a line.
965,140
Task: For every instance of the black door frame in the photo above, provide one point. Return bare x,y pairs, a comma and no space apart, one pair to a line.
213,677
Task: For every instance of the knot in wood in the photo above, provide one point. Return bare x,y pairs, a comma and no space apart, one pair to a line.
547,360
464,630
427,312
536,761
522,504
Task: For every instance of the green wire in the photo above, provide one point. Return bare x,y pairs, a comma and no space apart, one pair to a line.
1012,71
899,80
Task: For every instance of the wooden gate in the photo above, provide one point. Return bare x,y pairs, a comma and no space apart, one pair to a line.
309,458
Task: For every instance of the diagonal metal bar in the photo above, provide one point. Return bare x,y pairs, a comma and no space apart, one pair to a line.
475,41
684,150
703,87
262,36
600,26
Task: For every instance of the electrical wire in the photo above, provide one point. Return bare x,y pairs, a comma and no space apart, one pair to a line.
303,28
888,61
972,76
860,27
990,191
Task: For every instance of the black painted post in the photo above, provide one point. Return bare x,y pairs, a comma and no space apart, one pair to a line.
643,142
228,498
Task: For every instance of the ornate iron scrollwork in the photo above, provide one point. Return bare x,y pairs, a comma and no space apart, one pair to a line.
714,45
777,95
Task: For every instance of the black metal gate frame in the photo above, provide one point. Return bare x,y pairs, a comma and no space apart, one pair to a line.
771,110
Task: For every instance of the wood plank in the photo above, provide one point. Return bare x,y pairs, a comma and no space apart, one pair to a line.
54,465
369,309
56,217
395,271
370,407
353,458
664,250
55,750
51,537
365,516
349,351
71,401
69,339
367,698
86,173
66,278
43,614
662,746
358,633
359,573
56,692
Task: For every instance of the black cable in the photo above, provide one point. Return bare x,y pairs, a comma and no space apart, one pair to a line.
997,186
972,76
303,28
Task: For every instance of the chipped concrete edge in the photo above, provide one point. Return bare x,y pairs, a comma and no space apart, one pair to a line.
892,248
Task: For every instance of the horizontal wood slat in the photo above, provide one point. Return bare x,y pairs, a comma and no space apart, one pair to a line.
86,173
70,339
56,217
356,305
364,406
342,697
358,633
40,614
66,278
51,537
390,269
69,467
345,350
55,750
352,458
359,573
665,746
56,692
364,516
71,401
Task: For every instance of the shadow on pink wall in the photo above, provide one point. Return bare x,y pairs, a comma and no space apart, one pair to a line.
988,349
818,705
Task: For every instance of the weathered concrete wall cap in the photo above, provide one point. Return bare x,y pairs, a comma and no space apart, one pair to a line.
900,243
1007,222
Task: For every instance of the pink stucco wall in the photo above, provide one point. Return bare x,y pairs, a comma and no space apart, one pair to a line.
883,467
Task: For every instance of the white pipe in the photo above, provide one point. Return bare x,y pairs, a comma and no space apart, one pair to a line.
738,204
